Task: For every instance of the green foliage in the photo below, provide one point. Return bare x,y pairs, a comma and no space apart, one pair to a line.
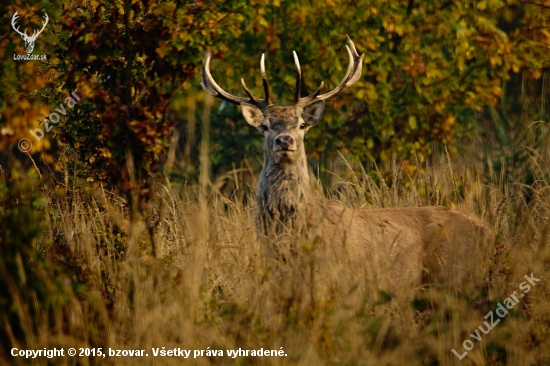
127,59
234,143
428,67
23,292
44,284
517,133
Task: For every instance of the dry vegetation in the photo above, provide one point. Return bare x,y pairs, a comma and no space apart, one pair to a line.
193,276
82,266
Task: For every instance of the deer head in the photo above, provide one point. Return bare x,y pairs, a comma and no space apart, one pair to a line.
284,127
29,40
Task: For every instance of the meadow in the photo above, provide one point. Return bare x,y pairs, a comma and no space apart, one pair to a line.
191,275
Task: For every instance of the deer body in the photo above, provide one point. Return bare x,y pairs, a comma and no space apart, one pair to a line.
408,246
399,245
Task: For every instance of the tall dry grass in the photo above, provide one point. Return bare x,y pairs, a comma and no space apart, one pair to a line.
189,273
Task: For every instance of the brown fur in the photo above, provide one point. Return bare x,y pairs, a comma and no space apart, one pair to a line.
399,246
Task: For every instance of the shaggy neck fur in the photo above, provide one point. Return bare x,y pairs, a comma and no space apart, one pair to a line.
283,198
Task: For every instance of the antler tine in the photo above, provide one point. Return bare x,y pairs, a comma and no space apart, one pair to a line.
298,89
13,20
352,76
357,74
264,79
352,45
46,18
36,31
249,93
210,86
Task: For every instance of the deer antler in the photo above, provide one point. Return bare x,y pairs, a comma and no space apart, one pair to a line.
352,76
208,84
13,19
24,34
36,32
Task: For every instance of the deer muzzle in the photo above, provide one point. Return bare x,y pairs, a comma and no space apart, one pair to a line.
284,143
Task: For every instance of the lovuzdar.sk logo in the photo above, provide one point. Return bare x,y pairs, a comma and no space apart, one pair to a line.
29,40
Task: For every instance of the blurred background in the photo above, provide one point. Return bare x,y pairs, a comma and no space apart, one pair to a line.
128,223
468,76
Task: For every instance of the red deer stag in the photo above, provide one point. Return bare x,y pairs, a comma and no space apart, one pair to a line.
408,244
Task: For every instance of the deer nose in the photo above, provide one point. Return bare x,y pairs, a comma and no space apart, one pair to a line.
284,141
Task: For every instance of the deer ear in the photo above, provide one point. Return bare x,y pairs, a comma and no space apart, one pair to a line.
313,113
253,115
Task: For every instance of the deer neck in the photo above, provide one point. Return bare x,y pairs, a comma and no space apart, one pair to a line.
284,196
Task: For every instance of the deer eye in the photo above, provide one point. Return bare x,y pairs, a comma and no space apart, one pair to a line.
302,126
264,128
